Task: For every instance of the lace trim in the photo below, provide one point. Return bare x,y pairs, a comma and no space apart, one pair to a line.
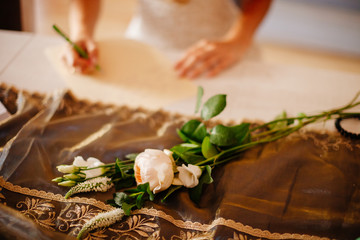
51,196
225,222
196,226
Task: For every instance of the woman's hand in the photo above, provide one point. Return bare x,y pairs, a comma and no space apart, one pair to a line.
77,63
209,58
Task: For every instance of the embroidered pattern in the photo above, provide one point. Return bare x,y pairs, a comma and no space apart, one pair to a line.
74,216
142,226
40,210
193,236
40,206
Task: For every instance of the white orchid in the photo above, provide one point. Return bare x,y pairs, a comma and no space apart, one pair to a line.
188,176
155,167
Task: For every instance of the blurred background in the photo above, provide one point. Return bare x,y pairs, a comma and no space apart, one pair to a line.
313,33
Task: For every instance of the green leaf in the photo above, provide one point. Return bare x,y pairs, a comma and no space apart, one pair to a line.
200,133
189,127
123,178
182,135
140,201
127,208
242,133
223,136
185,147
208,149
200,94
192,158
188,152
150,193
213,106
193,130
195,193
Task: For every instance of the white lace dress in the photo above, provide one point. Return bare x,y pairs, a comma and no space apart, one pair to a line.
167,24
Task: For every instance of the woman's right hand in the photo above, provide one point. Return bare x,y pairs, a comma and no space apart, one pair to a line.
77,63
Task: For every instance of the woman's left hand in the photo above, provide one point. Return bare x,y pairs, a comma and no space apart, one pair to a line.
209,58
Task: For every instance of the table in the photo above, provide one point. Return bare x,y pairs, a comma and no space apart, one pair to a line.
256,90
278,185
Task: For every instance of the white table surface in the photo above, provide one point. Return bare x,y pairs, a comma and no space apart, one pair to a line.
255,90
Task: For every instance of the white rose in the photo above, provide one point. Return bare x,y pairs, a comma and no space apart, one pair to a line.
156,168
89,163
188,176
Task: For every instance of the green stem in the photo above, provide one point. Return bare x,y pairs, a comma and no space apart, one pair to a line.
235,150
324,114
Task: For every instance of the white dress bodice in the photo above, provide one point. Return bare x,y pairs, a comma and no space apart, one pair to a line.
166,24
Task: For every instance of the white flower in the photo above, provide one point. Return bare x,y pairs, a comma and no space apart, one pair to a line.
89,163
103,219
99,184
156,168
67,168
188,176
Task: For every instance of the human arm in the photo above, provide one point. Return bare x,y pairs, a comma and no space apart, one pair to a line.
211,57
83,15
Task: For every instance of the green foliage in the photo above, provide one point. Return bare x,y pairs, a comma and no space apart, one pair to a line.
132,198
188,152
208,149
124,176
193,130
213,106
224,136
200,93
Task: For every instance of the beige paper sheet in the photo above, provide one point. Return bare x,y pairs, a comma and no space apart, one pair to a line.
132,73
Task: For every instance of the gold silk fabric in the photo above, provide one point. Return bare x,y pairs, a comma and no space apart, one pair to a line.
305,186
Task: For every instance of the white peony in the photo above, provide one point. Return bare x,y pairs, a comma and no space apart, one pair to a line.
156,168
188,176
90,163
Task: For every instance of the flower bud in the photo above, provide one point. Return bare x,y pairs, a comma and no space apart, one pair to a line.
68,183
67,168
58,179
73,176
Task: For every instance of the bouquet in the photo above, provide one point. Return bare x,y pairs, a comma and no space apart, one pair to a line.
142,176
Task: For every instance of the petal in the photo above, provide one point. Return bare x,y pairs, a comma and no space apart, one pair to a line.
196,170
80,162
187,177
94,162
91,161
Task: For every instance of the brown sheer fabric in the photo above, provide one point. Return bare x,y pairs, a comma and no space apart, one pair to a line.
305,186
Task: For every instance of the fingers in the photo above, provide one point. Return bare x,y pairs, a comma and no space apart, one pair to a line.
206,58
221,66
78,64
